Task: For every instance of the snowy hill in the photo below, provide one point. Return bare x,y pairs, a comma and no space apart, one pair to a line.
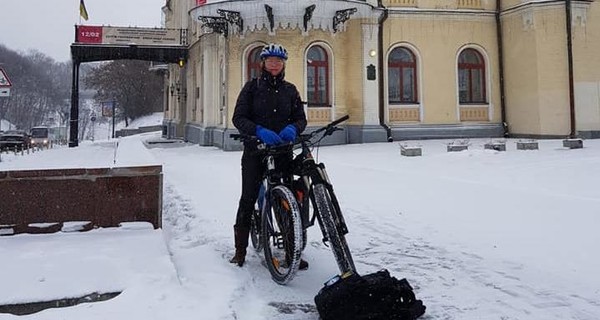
5,125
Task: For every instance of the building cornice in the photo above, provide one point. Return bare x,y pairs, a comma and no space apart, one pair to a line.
273,15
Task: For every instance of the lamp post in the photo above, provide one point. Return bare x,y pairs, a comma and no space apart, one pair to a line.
113,118
93,120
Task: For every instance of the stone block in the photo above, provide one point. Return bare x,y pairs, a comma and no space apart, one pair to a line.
527,145
498,146
411,151
103,196
573,143
456,147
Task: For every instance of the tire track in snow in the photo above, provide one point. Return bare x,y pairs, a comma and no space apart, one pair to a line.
461,274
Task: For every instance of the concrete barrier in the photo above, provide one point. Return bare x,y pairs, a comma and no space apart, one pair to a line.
103,196
125,132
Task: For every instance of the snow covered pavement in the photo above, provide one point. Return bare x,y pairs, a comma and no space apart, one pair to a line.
480,234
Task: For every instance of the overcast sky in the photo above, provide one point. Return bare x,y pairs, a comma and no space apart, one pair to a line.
48,25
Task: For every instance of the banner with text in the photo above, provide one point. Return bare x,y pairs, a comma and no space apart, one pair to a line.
128,36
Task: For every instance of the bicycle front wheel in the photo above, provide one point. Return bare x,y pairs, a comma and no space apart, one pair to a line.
255,231
256,235
336,238
282,227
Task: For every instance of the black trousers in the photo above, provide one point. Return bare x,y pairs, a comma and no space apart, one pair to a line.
253,168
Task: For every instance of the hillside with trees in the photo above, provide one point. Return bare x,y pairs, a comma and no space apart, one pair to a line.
41,91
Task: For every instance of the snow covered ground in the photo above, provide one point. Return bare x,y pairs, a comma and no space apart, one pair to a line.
480,234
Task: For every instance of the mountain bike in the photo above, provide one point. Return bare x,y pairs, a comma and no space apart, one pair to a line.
282,212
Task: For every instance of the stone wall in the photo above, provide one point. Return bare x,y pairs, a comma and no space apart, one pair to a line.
125,132
103,196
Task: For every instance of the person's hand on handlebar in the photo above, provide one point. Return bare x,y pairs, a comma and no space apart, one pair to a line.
288,134
267,136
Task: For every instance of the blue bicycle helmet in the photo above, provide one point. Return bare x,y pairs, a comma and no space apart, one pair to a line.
273,50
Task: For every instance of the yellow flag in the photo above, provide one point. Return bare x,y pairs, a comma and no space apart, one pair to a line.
82,10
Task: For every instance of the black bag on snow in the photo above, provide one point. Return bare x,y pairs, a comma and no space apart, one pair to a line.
376,296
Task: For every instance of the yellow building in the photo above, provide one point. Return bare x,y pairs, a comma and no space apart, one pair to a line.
402,69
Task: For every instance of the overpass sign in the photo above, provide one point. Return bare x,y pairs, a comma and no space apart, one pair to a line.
5,84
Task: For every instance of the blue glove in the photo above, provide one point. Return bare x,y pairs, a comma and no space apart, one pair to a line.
267,136
288,133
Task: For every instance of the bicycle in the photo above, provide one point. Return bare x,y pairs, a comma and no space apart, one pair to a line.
282,212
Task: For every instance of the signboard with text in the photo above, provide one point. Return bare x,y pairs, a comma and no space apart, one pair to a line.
127,36
107,108
89,34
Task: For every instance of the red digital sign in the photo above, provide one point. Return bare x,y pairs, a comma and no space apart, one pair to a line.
200,2
89,34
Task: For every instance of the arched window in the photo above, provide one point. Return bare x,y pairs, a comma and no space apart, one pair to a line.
254,63
317,77
471,77
402,76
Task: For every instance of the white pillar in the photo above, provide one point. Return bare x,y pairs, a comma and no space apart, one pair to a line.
370,87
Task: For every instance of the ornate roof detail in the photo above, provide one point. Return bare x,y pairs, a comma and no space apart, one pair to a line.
271,15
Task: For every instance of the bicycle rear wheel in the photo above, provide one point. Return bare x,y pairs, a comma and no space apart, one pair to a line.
336,238
282,227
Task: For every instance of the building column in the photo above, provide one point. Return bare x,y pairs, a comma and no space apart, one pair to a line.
369,64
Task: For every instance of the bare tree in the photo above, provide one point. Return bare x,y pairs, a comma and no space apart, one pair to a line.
42,89
136,89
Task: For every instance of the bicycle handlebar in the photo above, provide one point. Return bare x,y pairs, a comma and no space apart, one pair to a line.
329,129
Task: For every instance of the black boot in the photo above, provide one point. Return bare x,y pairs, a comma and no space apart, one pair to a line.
303,264
241,243
288,255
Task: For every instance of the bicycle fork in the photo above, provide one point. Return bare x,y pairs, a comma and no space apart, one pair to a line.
339,218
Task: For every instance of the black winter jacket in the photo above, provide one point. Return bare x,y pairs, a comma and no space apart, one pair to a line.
270,102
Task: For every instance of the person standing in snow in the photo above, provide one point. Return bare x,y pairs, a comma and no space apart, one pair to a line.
269,108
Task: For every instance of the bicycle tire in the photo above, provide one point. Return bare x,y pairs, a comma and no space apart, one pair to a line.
282,229
304,239
337,240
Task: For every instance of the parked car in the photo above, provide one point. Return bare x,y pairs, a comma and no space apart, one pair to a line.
14,140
